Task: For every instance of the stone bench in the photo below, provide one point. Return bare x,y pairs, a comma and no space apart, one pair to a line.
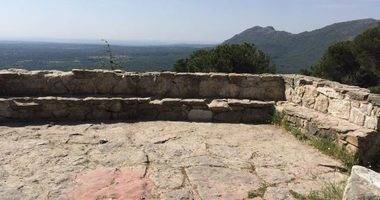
354,138
318,107
102,108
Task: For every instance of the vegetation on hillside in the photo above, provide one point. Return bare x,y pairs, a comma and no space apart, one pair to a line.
354,62
237,58
292,52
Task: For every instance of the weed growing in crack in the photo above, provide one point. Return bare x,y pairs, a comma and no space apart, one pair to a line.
295,132
327,146
258,192
332,191
276,117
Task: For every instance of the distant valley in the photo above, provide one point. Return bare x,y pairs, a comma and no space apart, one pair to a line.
61,56
289,52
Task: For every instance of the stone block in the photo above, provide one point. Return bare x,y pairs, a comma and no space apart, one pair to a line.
211,86
200,115
357,116
358,138
357,95
339,108
171,102
362,184
5,108
375,111
372,122
195,103
219,105
185,85
127,85
229,116
309,96
4,105
366,108
289,92
352,149
321,103
374,99
329,92
246,103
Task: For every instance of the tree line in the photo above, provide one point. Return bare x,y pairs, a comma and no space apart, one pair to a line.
355,62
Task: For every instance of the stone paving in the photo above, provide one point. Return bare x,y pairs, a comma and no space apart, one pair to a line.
158,160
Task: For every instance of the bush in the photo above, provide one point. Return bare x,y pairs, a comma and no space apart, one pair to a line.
236,58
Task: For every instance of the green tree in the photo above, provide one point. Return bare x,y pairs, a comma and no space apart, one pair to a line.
236,58
354,62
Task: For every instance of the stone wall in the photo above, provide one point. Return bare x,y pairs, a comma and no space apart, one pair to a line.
322,108
318,107
351,103
158,85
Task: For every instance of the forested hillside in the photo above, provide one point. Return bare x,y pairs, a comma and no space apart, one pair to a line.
292,52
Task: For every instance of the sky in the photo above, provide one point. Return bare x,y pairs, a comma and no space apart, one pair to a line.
170,21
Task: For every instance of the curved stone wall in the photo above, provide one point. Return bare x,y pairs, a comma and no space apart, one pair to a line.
318,107
348,114
355,104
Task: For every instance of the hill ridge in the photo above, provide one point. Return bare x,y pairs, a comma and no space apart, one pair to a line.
292,52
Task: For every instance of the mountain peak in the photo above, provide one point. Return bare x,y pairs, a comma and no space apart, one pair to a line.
262,29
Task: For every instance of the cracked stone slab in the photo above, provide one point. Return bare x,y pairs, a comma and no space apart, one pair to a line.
157,160
221,183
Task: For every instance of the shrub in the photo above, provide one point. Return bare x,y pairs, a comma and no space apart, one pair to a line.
236,58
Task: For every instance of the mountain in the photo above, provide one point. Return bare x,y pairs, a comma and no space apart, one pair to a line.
292,52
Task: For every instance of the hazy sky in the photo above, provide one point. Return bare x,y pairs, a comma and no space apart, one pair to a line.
174,21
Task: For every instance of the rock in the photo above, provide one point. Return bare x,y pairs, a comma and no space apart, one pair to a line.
357,95
357,117
372,122
357,138
329,92
321,103
309,96
211,85
362,184
366,108
195,102
339,108
171,102
375,99
219,105
245,103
